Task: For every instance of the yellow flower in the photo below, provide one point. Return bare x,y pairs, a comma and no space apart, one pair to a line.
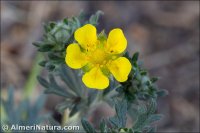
97,57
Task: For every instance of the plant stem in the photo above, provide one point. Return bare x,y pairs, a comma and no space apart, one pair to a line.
32,80
97,101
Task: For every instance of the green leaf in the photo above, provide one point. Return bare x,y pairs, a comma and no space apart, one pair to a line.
119,120
54,57
22,113
62,106
94,18
52,24
112,85
37,44
47,28
43,82
145,119
9,104
121,111
62,35
87,126
103,126
135,57
142,109
82,17
125,130
50,66
127,55
66,78
152,130
131,131
91,96
56,92
65,21
143,72
52,87
102,36
51,38
69,78
162,93
152,106
43,63
154,117
74,110
78,105
140,122
56,89
114,122
45,47
154,79
76,20
39,104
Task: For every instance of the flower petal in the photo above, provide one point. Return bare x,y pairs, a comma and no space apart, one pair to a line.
95,79
74,57
116,42
120,68
86,36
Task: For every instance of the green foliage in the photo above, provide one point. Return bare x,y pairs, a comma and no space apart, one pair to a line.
53,87
57,36
139,85
87,126
135,98
72,90
146,117
94,18
23,114
119,120
144,122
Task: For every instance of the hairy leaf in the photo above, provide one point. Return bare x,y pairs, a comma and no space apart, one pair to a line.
87,126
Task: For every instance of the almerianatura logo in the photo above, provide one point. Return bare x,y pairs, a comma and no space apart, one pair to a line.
98,56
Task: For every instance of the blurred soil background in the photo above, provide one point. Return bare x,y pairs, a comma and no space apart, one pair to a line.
166,33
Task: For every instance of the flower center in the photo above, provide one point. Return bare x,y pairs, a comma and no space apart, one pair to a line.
98,56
